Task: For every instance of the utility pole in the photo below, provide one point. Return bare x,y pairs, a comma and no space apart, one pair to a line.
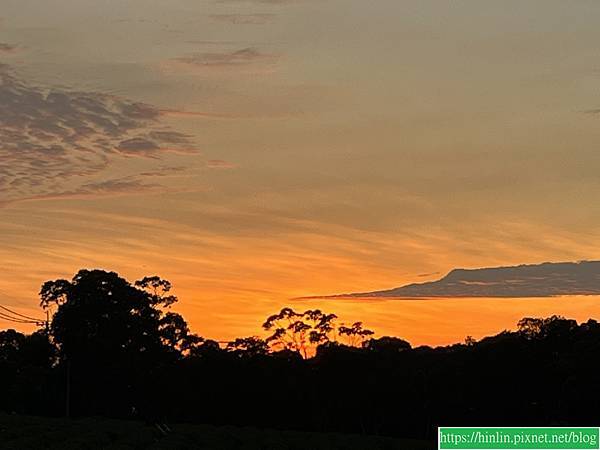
67,372
68,390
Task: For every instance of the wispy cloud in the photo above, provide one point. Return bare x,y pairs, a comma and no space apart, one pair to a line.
7,48
103,188
427,275
55,141
244,19
247,58
112,186
533,280
200,114
268,2
219,164
164,171
228,59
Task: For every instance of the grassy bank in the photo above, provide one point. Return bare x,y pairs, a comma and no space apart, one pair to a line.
35,433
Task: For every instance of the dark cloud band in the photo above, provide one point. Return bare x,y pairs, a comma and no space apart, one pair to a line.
55,141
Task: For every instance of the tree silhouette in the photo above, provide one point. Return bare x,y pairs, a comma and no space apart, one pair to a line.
206,349
26,364
176,335
114,348
11,342
108,329
299,332
530,327
470,341
539,328
386,344
102,314
34,349
248,347
159,290
356,334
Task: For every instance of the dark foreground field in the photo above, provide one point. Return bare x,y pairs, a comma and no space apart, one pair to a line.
24,433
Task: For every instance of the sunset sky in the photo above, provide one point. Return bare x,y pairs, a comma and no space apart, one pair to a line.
256,151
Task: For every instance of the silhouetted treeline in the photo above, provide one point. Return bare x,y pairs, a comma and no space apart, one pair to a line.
112,349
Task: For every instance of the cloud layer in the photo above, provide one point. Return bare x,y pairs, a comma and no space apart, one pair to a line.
239,59
537,280
7,48
55,142
244,19
268,2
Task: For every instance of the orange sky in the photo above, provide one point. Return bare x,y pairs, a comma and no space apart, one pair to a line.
291,148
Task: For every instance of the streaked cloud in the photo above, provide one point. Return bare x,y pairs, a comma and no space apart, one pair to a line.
268,2
164,171
219,164
200,114
244,19
56,141
426,275
7,48
246,58
523,281
106,187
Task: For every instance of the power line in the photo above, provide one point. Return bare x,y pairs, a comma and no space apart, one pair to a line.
12,319
19,314
16,317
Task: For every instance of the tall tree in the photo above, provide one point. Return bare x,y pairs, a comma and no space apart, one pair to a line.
112,332
355,333
299,332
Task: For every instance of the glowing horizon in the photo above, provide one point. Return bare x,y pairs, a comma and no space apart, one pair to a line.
252,152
